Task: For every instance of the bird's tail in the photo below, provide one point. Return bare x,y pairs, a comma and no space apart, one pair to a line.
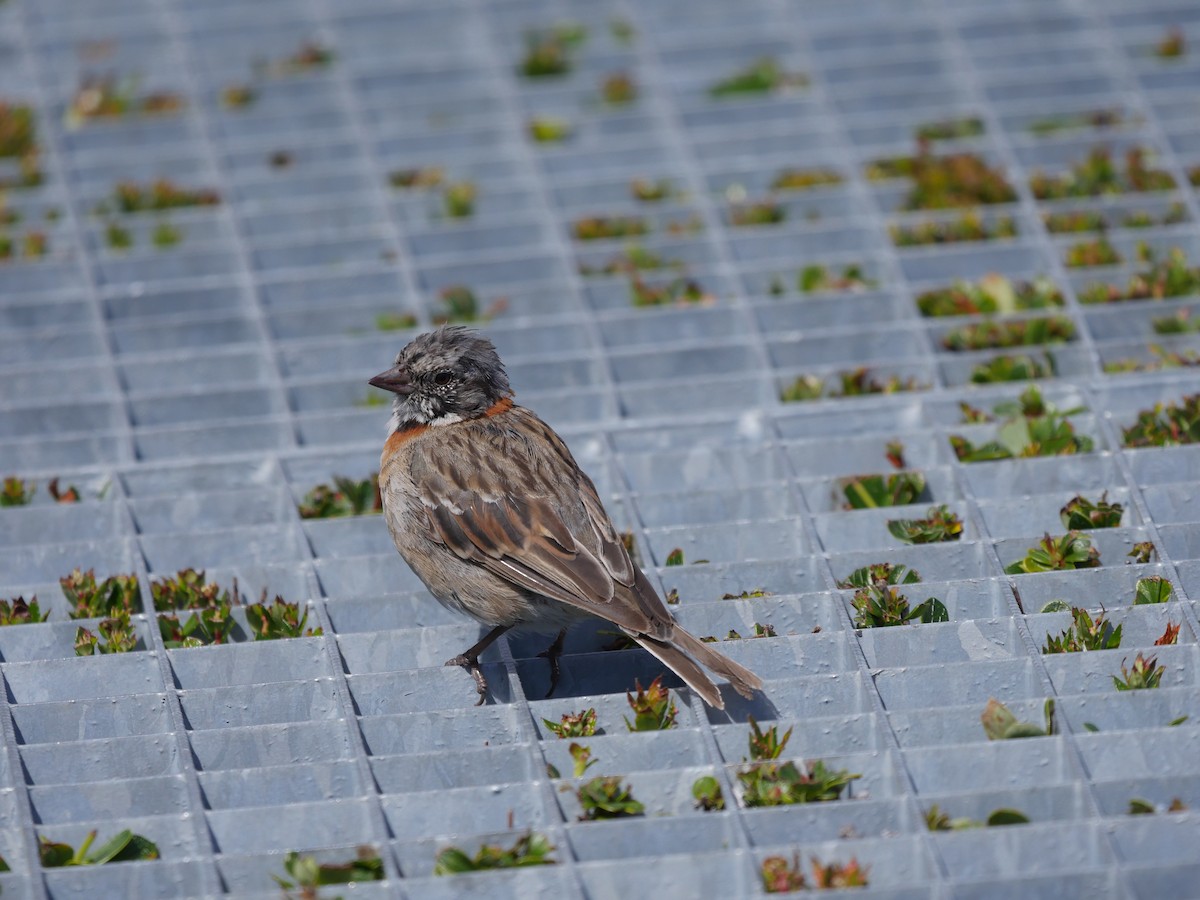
678,657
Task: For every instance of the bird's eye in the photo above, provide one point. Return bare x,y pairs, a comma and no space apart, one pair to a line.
442,377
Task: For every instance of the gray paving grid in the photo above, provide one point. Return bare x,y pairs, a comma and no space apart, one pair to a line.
196,393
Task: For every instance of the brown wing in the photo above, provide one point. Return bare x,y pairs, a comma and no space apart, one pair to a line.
519,506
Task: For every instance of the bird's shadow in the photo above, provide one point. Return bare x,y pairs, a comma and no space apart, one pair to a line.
587,668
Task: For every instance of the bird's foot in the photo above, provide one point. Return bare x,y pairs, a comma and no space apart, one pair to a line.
471,664
552,654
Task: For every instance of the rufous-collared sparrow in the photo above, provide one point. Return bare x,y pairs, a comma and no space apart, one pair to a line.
490,510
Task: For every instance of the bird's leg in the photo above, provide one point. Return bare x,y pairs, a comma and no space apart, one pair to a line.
470,660
552,653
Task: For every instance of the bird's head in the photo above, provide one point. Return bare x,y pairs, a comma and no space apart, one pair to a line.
444,376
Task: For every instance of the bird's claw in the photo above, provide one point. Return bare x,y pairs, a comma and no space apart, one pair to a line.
552,654
472,665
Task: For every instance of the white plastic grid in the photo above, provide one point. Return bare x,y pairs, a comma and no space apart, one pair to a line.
674,412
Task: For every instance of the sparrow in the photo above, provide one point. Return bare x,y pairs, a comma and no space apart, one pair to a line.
489,508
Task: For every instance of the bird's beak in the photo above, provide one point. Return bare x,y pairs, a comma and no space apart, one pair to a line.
395,380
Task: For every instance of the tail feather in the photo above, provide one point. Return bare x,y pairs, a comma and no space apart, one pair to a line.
683,666
683,653
743,680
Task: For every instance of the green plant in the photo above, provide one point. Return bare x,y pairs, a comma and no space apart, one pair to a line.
707,792
1084,634
1152,589
880,605
953,181
117,236
1069,551
1181,322
779,876
855,383
347,497
1008,367
549,129
597,228
859,383
459,304
1174,214
530,849
573,725
158,195
653,708
280,619
607,798
819,279
768,783
936,820
950,129
117,632
970,226
1166,424
211,617
187,589
760,630
872,491
395,321
1172,45
1161,359
18,612
764,745
1097,174
804,179
307,874
889,573
988,335
760,77
1140,807
108,98
1031,427
647,191
238,96
91,600
747,595
1092,118
204,626
420,177
1169,636
548,51
1143,552
1145,674
582,759
619,89
1080,513
762,212
677,292
990,294
1091,253
802,389
124,846
1074,221
633,259
16,492
784,784
18,130
940,524
1164,278
165,235
999,724
459,198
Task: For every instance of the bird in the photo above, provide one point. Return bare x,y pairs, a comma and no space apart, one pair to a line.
488,507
